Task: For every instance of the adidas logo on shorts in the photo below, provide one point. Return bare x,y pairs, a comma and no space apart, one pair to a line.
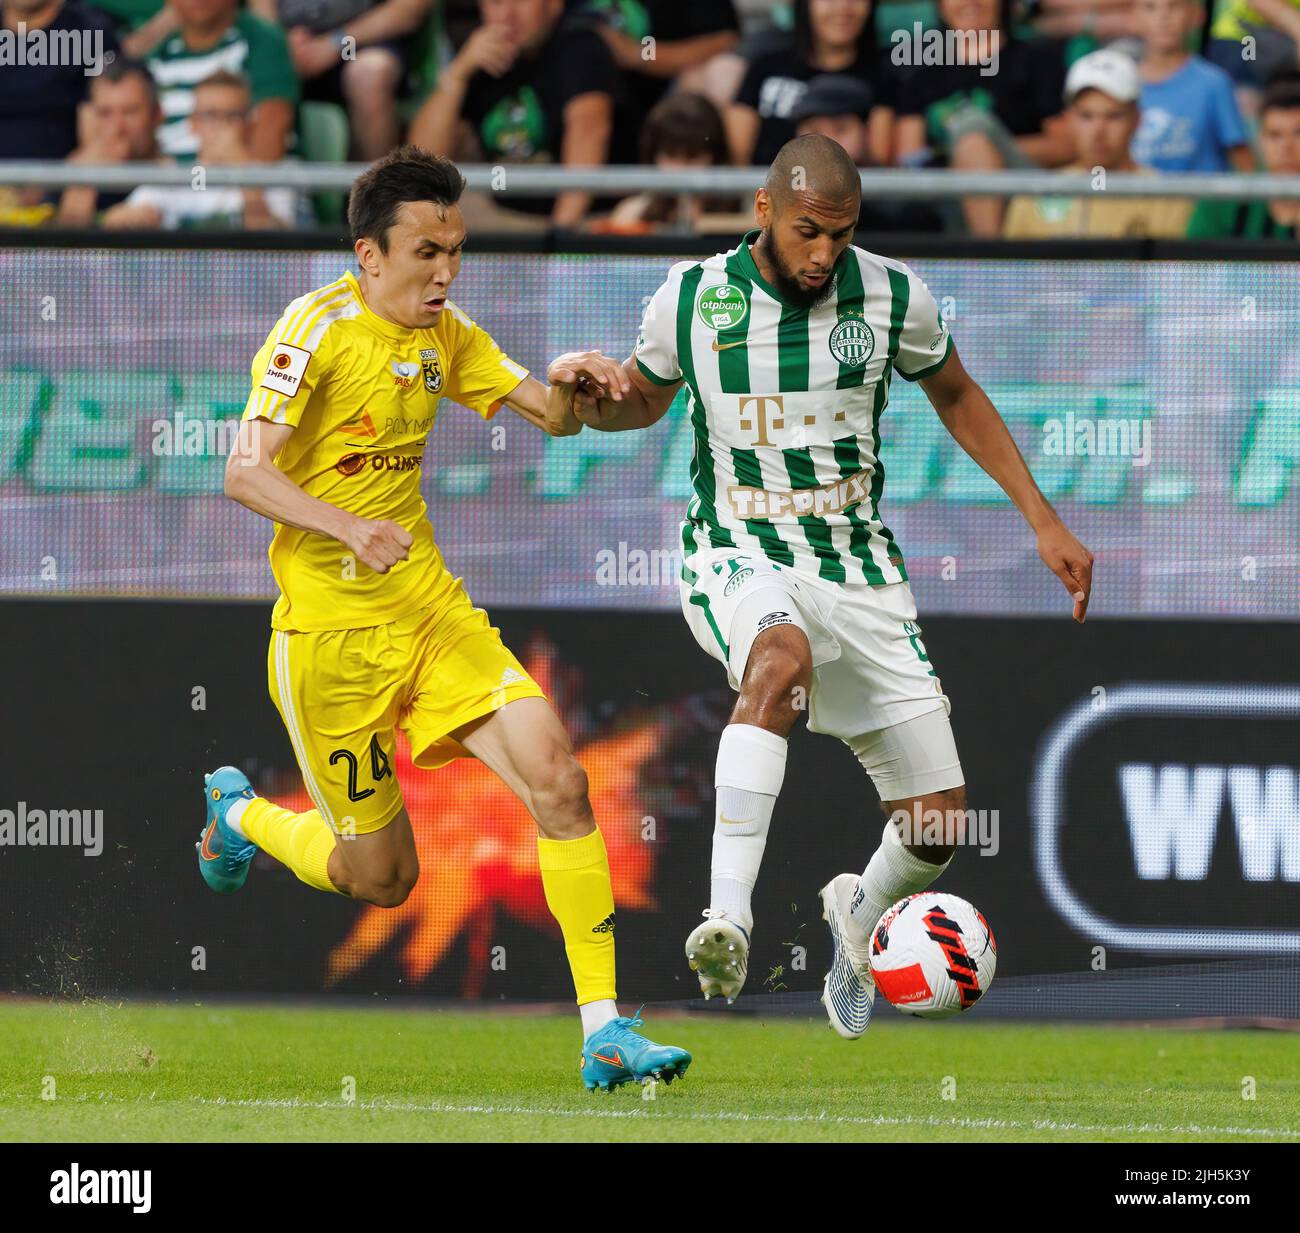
605,926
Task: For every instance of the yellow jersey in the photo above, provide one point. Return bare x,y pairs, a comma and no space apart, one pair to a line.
362,393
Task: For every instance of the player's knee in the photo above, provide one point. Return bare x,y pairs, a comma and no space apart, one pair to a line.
559,792
389,891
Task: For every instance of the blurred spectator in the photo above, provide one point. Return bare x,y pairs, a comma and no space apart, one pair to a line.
118,124
1096,19
1271,30
525,88
214,35
222,120
829,36
1279,149
660,43
1190,120
837,106
39,100
974,119
365,74
140,24
683,132
1101,93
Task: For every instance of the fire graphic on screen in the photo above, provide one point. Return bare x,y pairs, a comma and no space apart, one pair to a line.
478,853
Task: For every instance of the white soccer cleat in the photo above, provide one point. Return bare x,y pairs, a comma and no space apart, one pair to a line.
848,991
718,952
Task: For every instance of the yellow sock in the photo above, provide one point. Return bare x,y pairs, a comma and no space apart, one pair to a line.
302,841
575,877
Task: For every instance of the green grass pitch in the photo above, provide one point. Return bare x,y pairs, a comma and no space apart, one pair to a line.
179,1073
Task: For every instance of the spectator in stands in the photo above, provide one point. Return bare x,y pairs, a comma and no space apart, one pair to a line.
661,43
829,36
837,106
39,100
140,24
1279,148
222,120
365,74
683,132
973,119
1254,41
1190,120
1101,95
118,124
1089,19
526,88
213,35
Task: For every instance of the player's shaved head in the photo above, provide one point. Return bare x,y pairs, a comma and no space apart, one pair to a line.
815,169
807,210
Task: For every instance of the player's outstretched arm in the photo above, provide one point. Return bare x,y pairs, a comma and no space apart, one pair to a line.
976,426
253,479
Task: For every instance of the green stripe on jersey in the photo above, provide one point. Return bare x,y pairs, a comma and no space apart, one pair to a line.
900,297
849,459
733,375
799,465
851,300
703,479
792,348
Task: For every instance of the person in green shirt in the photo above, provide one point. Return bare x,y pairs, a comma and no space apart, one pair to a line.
1279,147
218,34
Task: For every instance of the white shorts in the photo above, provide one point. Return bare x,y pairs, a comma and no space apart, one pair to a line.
871,671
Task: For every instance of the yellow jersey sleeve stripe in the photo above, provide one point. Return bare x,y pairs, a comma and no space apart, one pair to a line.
296,314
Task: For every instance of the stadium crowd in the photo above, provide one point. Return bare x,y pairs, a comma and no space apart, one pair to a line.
1149,86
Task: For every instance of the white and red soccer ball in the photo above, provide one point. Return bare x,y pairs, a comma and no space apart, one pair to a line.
933,955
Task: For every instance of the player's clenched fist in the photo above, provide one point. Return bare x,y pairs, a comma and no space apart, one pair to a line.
378,542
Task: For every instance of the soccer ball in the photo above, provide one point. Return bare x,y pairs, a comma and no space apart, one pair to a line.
933,955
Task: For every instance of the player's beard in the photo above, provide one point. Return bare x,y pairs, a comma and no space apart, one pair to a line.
786,281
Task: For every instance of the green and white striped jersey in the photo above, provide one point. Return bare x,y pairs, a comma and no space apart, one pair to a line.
786,403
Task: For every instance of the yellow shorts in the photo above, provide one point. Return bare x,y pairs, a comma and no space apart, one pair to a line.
341,694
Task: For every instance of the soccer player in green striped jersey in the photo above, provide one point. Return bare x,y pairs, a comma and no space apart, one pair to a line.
787,345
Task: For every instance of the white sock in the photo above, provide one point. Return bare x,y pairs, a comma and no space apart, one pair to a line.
890,874
596,1014
234,813
750,768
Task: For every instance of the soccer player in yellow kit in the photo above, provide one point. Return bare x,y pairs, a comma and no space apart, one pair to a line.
371,631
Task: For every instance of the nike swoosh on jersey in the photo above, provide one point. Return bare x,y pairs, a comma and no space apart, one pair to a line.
740,342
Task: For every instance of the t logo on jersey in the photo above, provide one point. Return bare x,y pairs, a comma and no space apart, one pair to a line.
432,369
404,374
764,406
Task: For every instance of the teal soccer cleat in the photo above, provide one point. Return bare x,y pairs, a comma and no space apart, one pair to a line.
224,854
615,1054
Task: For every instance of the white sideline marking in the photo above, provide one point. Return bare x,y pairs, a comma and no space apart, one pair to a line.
969,1123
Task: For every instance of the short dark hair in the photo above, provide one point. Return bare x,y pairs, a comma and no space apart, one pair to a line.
684,124
122,67
1282,94
407,173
